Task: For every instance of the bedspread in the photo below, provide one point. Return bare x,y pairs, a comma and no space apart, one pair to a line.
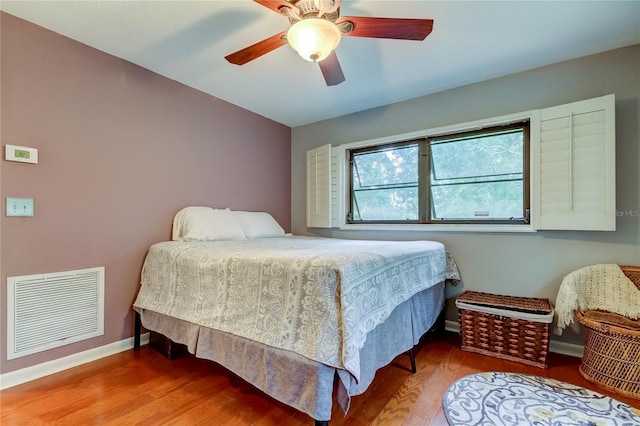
317,297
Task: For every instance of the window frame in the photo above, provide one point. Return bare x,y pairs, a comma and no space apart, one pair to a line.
526,172
379,148
424,176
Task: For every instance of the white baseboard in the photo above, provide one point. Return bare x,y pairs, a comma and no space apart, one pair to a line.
14,378
563,348
452,326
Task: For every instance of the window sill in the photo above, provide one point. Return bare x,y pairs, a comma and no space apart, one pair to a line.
438,228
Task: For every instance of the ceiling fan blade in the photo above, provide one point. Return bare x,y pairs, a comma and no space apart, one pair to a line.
396,28
275,5
331,70
254,51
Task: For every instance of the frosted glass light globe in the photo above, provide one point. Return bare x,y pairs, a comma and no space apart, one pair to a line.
314,39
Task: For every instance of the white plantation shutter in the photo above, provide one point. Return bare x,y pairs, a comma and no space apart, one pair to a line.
575,187
337,185
319,187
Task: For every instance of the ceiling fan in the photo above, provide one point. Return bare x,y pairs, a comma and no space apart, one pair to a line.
316,29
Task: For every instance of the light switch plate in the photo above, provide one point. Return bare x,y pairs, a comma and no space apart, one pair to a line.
19,206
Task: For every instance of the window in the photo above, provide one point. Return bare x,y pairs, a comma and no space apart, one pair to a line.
480,176
552,170
385,183
470,177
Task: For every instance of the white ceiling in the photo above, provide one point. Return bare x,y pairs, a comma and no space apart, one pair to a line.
471,41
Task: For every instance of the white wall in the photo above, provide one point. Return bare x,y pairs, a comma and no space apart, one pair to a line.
529,264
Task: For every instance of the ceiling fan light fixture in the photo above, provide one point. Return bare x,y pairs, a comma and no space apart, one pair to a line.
314,38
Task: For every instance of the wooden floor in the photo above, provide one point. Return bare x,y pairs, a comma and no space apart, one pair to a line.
145,388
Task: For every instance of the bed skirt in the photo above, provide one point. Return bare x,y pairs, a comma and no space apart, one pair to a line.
309,387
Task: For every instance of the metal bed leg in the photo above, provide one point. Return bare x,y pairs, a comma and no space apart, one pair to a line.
137,329
412,358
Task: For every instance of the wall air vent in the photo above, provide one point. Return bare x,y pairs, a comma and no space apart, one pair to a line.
50,310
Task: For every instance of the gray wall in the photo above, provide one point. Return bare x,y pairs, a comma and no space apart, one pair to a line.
521,264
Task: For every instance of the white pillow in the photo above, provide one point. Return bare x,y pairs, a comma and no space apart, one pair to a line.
206,224
258,225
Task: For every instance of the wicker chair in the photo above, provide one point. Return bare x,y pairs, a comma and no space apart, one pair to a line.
611,353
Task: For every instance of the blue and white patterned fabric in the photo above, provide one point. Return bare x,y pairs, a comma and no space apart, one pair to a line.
496,398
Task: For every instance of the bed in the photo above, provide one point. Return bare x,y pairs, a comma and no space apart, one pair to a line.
307,320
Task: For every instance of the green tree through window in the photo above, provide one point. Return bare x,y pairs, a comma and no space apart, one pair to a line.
473,177
385,184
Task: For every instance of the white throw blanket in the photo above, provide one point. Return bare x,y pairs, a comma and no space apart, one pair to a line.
603,287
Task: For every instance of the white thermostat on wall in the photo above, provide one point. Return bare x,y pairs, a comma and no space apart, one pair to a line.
22,154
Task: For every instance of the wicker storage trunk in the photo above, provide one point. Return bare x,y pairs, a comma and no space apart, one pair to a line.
612,354
507,327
